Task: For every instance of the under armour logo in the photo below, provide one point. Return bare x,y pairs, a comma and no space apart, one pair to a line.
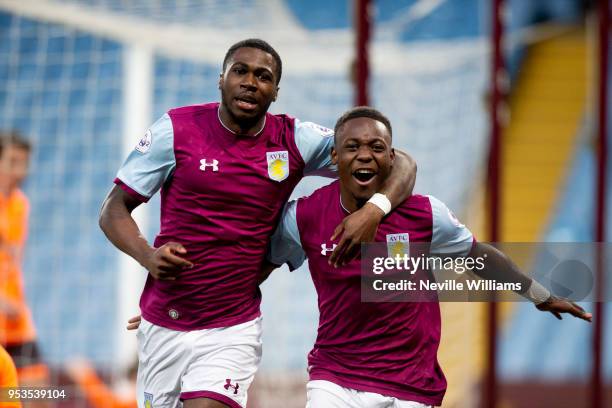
228,385
325,249
214,165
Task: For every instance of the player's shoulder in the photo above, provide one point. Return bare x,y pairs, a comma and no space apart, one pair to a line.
443,213
304,128
281,120
321,196
415,207
191,110
308,129
323,193
280,116
436,203
417,202
317,207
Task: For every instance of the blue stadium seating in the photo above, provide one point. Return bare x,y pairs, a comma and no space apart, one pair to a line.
74,154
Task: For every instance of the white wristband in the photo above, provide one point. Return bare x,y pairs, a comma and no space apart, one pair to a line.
382,202
537,293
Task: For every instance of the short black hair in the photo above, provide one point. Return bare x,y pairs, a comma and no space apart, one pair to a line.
14,138
260,45
362,112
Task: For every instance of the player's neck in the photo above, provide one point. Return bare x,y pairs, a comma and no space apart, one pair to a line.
349,203
244,129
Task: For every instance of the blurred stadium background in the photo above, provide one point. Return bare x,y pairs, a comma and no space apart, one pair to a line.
83,80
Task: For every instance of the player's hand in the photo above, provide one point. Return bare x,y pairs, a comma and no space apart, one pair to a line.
165,262
557,305
361,226
134,322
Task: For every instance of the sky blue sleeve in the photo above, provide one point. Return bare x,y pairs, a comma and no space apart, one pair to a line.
315,144
285,246
449,235
152,161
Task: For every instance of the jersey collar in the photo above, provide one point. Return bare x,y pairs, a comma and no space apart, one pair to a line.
263,125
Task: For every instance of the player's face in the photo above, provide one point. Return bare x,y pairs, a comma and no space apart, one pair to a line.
364,156
248,85
14,162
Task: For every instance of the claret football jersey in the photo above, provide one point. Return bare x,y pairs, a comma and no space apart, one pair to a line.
388,348
221,197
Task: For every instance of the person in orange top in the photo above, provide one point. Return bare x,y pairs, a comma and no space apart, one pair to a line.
8,378
17,333
97,393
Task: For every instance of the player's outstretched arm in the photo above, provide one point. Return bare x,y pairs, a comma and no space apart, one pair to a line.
557,305
500,267
398,187
361,226
120,228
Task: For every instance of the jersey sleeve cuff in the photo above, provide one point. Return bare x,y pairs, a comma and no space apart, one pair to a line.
291,266
131,191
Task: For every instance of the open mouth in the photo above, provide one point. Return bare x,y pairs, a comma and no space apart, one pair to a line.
364,175
246,102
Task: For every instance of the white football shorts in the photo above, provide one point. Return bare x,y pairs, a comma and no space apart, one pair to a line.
326,394
215,363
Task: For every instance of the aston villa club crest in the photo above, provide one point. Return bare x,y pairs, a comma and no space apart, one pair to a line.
398,244
148,403
278,165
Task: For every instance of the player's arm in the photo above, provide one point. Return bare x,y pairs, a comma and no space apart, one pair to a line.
450,237
315,144
285,245
120,228
361,226
142,175
500,267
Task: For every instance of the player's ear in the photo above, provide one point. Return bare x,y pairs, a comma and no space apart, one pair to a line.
334,155
275,94
220,83
392,156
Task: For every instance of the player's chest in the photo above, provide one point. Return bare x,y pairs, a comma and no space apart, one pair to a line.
392,239
262,170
